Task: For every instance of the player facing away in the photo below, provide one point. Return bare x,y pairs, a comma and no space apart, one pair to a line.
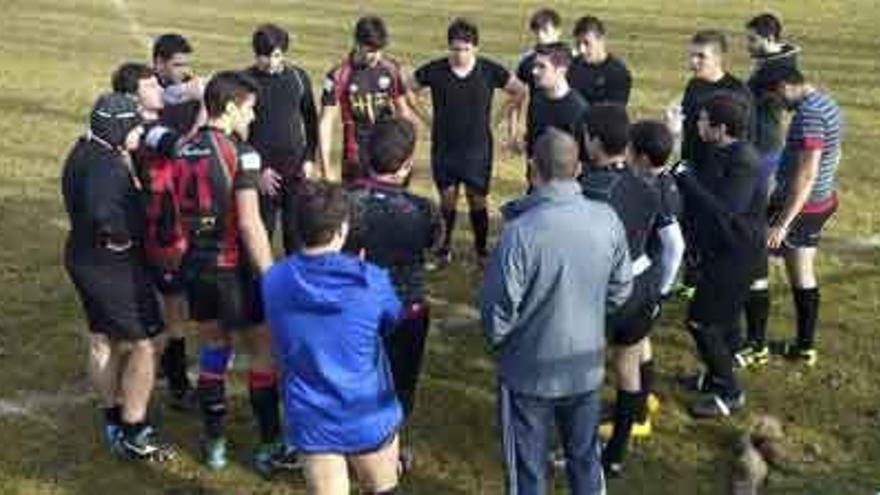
227,250
462,88
597,75
105,261
612,180
728,202
804,199
284,132
163,239
365,88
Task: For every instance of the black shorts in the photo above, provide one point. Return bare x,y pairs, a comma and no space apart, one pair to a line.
230,296
474,173
806,230
116,292
722,287
167,282
633,322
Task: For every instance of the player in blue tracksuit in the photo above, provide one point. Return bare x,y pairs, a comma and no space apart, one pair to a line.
329,312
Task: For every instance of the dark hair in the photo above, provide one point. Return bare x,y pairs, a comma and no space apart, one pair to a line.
390,145
370,32
588,24
766,25
227,86
732,112
556,155
558,53
542,18
652,139
609,123
711,37
783,74
125,79
321,209
170,44
463,30
267,38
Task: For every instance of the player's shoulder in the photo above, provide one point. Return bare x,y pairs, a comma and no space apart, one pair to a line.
248,157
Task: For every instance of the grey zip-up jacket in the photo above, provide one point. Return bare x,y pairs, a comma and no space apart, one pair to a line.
561,262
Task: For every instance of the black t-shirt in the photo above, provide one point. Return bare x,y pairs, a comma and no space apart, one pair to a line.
285,127
461,128
567,114
394,228
696,94
635,201
607,82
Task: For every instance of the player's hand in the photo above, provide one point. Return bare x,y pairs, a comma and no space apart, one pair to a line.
776,236
674,117
270,182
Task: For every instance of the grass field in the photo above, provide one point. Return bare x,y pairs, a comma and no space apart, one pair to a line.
56,56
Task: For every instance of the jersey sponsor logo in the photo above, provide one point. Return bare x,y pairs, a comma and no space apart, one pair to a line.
353,88
384,82
250,161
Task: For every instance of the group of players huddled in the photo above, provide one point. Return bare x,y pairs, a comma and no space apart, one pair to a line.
177,186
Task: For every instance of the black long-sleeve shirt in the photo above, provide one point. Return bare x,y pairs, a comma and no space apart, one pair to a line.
285,128
697,93
101,197
607,82
726,203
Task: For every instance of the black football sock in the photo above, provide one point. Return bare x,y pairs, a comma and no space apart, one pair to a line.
806,304
757,310
480,227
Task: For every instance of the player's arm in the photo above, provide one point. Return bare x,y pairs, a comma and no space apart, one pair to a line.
329,115
798,192
412,99
311,122
253,232
516,93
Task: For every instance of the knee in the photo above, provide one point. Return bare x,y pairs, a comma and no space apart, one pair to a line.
100,349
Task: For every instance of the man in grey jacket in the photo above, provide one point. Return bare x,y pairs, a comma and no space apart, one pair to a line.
561,262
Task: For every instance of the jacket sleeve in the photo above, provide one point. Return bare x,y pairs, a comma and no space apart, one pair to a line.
722,206
504,285
106,195
620,281
391,307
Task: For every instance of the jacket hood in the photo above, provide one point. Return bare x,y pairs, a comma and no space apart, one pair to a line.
554,190
325,282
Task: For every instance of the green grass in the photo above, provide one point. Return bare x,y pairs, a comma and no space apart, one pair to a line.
57,56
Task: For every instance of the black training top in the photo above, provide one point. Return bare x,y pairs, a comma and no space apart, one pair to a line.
606,82
726,203
394,228
285,127
568,114
461,129
635,201
696,94
101,197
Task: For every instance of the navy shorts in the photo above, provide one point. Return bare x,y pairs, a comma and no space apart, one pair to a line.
806,229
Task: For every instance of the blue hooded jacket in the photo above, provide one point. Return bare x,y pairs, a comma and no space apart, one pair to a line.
328,314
